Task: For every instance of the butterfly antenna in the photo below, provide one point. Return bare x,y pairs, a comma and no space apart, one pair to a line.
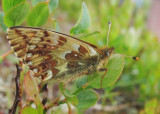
134,58
109,23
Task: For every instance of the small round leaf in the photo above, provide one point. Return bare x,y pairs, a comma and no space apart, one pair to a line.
87,98
53,5
83,22
31,88
16,15
28,110
39,15
7,4
115,67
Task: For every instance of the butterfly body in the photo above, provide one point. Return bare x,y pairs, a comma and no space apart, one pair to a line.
54,55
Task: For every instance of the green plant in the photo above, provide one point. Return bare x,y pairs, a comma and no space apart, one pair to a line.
138,87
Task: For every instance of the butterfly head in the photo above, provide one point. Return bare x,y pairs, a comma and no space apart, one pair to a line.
109,51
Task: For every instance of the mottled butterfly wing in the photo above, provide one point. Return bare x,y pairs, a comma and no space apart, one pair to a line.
19,40
50,54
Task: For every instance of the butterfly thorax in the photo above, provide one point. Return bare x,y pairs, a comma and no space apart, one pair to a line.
106,53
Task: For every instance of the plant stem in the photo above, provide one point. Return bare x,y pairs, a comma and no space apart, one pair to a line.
55,103
69,108
17,97
96,32
7,53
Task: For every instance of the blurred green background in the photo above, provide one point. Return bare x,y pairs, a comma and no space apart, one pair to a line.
135,31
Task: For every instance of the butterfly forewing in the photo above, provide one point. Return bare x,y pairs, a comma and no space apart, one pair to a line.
50,54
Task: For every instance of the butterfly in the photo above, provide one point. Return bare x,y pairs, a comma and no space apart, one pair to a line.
53,55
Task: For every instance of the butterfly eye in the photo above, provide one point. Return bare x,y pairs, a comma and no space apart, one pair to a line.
108,53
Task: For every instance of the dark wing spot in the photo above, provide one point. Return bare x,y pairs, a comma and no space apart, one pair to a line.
73,56
21,55
27,42
44,76
62,41
73,65
25,36
55,71
82,50
13,44
44,46
46,34
44,66
27,60
48,40
42,39
17,32
53,63
47,64
21,47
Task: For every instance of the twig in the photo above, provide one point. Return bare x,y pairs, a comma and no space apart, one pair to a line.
6,54
93,33
17,97
69,108
55,103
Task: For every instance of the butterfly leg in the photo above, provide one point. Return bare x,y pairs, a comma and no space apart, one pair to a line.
43,86
103,69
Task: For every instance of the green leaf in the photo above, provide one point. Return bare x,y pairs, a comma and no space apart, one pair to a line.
2,21
72,98
81,82
87,98
28,110
53,4
8,4
83,22
61,87
16,16
115,67
40,109
35,2
31,88
39,15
